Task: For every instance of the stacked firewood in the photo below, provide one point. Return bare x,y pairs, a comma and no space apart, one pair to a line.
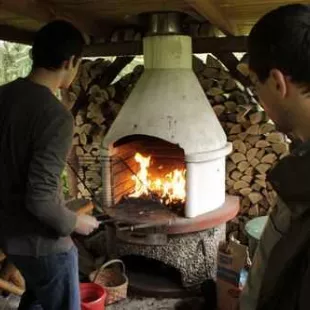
257,146
95,101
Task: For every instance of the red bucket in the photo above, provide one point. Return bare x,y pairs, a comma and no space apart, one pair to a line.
93,296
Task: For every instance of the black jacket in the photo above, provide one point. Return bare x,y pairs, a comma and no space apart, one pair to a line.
286,282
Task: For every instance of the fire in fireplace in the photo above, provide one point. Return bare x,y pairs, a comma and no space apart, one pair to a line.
169,188
147,169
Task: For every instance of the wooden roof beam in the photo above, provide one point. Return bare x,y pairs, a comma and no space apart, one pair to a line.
210,10
231,62
12,34
200,46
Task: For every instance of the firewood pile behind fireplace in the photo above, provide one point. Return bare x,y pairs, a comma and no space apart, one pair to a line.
257,144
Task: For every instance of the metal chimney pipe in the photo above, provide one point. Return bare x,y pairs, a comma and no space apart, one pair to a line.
163,23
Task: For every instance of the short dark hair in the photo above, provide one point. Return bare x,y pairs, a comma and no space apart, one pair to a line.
281,40
55,43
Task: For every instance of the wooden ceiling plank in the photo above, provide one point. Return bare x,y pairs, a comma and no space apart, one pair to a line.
26,8
212,12
44,12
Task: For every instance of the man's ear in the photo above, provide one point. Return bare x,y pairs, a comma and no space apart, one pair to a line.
279,83
73,62
68,64
65,65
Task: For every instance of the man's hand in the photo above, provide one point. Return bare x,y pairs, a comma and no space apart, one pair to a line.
86,224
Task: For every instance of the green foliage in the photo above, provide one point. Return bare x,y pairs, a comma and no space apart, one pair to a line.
15,60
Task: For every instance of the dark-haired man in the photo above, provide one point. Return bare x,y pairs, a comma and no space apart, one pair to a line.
279,53
35,136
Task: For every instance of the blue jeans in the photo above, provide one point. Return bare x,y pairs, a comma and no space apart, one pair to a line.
52,282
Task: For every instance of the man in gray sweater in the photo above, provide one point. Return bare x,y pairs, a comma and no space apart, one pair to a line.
35,137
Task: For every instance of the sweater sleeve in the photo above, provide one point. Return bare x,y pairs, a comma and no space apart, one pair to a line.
51,143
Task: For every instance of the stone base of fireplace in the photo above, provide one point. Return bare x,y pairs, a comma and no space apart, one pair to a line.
193,255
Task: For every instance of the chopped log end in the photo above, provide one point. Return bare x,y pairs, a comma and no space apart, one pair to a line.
253,139
247,178
261,144
261,183
239,146
249,171
235,129
230,166
255,197
231,106
269,159
218,109
280,148
236,175
238,157
254,162
276,137
214,91
245,191
266,128
240,185
253,130
251,154
243,166
242,136
260,154
257,117
254,211
263,168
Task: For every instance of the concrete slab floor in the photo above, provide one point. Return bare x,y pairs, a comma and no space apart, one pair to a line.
157,304
144,304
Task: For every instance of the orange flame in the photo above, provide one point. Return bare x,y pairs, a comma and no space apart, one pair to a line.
141,179
171,188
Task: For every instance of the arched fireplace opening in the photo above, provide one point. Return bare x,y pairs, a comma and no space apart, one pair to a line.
148,169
